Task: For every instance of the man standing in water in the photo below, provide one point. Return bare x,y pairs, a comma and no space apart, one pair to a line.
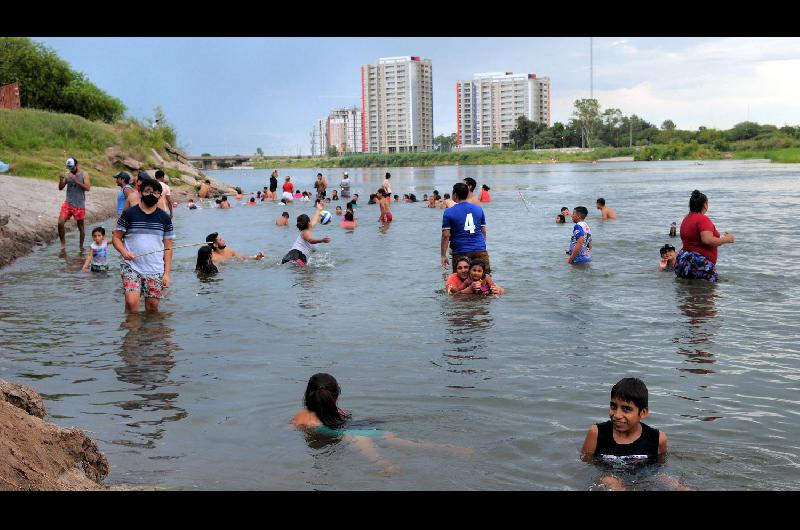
580,244
464,229
77,184
222,252
384,201
321,186
605,211
345,186
143,237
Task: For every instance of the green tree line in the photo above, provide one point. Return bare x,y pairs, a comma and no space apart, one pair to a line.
47,82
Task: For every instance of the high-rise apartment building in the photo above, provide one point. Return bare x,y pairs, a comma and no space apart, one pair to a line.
397,105
341,129
488,106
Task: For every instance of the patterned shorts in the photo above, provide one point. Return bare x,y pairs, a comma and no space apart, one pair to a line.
68,210
150,284
694,265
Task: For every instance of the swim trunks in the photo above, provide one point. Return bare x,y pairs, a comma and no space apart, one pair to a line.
694,265
68,210
386,218
295,255
151,285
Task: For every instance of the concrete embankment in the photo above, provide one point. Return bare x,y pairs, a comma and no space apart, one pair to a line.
38,455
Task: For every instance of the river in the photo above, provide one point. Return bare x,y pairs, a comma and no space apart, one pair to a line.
200,395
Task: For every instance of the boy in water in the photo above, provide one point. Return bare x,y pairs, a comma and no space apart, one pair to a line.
98,254
384,201
624,439
283,220
580,244
605,211
667,263
562,217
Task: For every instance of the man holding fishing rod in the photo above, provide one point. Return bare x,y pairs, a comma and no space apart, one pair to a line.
143,237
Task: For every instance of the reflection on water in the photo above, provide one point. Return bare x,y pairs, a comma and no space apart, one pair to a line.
147,352
468,321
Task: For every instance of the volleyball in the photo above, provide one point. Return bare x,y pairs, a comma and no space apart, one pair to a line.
324,217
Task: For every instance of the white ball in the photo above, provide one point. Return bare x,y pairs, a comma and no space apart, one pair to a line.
324,217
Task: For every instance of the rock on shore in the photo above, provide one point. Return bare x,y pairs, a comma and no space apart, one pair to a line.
38,455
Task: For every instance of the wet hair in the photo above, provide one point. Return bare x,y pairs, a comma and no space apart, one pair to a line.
218,201
395,196
663,250
487,188
224,198
285,214
159,173
204,264
601,201
564,208
470,182
320,398
348,216
463,258
446,195
460,190
303,222
252,199
582,211
697,201
388,175
562,217
480,263
412,197
211,238
349,205
631,389
371,198
319,174
207,181
152,184
99,229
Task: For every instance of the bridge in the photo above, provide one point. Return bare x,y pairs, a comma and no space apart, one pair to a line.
212,162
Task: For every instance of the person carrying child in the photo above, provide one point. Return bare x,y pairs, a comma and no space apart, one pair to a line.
98,253
304,244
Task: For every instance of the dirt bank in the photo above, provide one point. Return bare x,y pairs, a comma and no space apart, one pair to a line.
37,455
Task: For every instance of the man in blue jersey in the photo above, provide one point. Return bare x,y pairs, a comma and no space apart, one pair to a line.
464,229
580,244
143,237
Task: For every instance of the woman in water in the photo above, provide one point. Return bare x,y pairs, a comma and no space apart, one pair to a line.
304,244
478,282
204,263
321,415
485,197
700,238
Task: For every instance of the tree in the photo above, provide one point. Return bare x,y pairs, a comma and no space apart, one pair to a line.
331,151
668,125
205,154
445,143
259,151
612,120
587,114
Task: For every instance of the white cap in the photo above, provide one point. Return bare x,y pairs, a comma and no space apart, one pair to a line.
70,163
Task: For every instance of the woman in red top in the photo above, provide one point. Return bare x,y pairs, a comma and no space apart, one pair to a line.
700,238
485,194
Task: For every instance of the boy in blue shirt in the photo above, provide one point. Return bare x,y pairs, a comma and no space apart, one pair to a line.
580,244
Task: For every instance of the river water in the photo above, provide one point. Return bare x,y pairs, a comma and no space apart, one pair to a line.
200,395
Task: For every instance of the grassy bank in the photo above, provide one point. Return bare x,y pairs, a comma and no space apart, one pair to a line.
37,142
785,156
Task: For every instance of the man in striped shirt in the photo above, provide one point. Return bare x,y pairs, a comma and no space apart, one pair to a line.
143,237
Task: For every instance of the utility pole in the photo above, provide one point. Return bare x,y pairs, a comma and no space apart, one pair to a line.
591,68
630,131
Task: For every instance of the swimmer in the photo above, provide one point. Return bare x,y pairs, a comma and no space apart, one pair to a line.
339,211
191,205
283,220
205,262
605,211
447,202
335,195
224,204
384,201
471,198
349,220
667,263
406,198
624,440
321,416
673,230
97,257
396,198
251,202
222,252
304,244
478,282
562,217
354,200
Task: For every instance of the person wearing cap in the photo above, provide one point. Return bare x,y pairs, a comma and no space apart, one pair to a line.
345,186
143,237
166,195
667,263
77,183
123,179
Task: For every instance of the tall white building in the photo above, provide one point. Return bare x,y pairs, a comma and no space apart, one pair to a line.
397,105
341,129
320,137
488,106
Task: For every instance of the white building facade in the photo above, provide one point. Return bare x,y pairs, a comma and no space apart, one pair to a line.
341,129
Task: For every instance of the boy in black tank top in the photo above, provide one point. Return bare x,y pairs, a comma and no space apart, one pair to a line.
624,439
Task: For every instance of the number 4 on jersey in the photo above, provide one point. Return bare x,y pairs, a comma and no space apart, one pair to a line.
469,224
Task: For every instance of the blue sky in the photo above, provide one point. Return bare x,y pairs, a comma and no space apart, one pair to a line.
232,95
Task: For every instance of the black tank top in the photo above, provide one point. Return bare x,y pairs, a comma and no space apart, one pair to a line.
643,449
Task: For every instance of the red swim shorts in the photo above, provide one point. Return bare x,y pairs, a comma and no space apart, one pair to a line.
68,210
386,218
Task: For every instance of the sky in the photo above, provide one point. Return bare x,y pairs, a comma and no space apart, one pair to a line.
233,95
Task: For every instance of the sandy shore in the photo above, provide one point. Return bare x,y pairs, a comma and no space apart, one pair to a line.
29,211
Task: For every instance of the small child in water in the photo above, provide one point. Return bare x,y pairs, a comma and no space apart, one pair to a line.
304,244
478,282
98,252
321,415
673,232
667,263
624,440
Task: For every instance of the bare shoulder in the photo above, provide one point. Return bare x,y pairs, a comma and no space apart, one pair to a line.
305,418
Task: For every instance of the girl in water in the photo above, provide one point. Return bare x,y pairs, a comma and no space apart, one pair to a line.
204,263
322,416
304,244
485,197
478,281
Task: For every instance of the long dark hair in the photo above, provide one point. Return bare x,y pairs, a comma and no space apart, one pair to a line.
320,398
697,201
204,264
